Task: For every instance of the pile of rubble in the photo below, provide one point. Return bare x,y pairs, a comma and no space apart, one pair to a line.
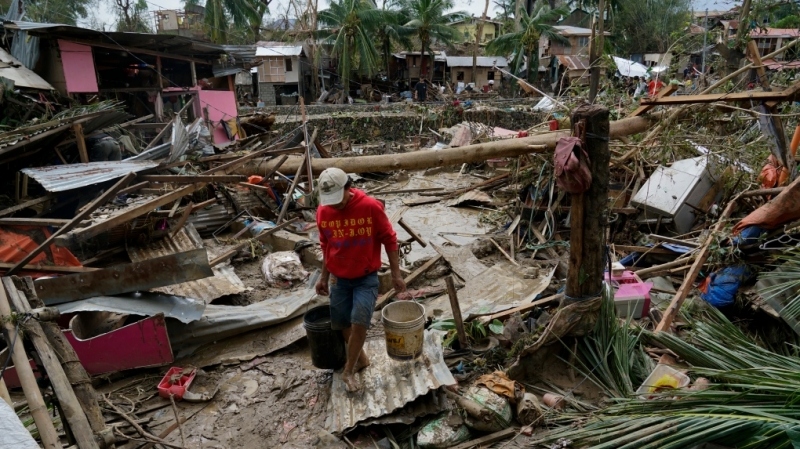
630,291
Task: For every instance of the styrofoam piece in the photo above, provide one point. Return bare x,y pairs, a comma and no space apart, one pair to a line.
660,371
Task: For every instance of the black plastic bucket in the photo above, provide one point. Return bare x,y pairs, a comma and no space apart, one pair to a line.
327,345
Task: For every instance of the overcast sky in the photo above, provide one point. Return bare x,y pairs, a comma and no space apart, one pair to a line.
104,14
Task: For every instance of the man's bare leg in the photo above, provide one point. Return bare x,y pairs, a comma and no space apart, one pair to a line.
355,336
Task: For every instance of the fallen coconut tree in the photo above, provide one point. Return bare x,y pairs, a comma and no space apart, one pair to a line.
418,160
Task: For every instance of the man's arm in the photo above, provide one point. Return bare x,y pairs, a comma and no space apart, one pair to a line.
397,277
323,281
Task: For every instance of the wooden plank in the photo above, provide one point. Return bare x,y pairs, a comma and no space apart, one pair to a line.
27,204
665,92
260,237
134,188
288,198
33,222
191,179
642,249
187,211
408,280
414,236
674,240
91,207
48,268
521,309
486,440
77,128
712,98
124,217
397,192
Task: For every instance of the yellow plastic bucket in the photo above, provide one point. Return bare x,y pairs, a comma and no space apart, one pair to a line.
403,324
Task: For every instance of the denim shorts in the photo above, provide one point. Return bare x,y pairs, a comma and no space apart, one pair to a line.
353,301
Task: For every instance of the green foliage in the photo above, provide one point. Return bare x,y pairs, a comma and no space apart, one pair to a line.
524,44
224,16
649,26
350,28
133,16
791,21
431,23
58,11
496,326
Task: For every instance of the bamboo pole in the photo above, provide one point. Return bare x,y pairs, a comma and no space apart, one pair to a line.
38,409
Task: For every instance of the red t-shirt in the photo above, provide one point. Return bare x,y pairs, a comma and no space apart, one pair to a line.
351,238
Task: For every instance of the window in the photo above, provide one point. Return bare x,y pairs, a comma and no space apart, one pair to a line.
288,62
459,76
488,36
490,76
583,41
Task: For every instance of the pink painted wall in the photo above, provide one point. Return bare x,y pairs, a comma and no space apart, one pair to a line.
221,105
78,64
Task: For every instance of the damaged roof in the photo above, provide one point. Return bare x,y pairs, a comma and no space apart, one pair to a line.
165,43
13,69
59,178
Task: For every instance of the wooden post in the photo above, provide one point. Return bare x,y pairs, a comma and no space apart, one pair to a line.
4,393
29,386
77,128
588,211
289,192
451,293
596,51
194,73
70,408
75,372
159,71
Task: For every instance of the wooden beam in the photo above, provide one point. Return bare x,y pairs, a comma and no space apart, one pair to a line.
134,188
187,211
26,204
408,280
731,97
665,92
71,409
521,309
416,237
38,409
48,268
77,128
91,207
33,222
191,179
288,198
260,237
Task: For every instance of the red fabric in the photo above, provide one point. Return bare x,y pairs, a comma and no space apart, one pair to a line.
654,86
784,208
16,242
351,238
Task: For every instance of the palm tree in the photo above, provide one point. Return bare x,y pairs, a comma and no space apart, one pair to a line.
219,13
352,26
392,30
524,44
431,23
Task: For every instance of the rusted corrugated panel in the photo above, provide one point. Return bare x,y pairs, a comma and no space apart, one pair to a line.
574,62
22,76
224,282
388,384
58,178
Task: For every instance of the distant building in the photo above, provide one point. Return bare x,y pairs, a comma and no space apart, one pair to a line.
577,18
280,72
460,69
571,58
187,23
469,27
409,64
770,39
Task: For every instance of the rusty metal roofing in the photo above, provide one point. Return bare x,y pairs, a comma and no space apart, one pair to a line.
224,282
58,178
388,385
13,69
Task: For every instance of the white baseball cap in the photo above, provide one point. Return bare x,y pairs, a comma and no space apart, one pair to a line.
331,186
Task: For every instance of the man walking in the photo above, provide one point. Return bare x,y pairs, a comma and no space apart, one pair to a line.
352,228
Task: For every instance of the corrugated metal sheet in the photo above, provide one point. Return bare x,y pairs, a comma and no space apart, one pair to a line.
224,282
152,154
430,404
279,50
26,49
574,62
11,68
482,61
59,178
208,220
182,309
388,385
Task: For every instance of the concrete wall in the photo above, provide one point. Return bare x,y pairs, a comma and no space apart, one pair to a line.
266,93
481,75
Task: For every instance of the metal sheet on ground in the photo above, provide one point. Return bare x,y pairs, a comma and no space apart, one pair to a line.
461,260
388,385
220,322
223,282
182,309
137,276
250,347
12,432
498,288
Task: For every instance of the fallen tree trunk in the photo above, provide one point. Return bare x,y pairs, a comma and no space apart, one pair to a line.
418,160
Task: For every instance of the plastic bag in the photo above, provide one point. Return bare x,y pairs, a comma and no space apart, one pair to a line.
283,268
572,171
499,406
720,288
